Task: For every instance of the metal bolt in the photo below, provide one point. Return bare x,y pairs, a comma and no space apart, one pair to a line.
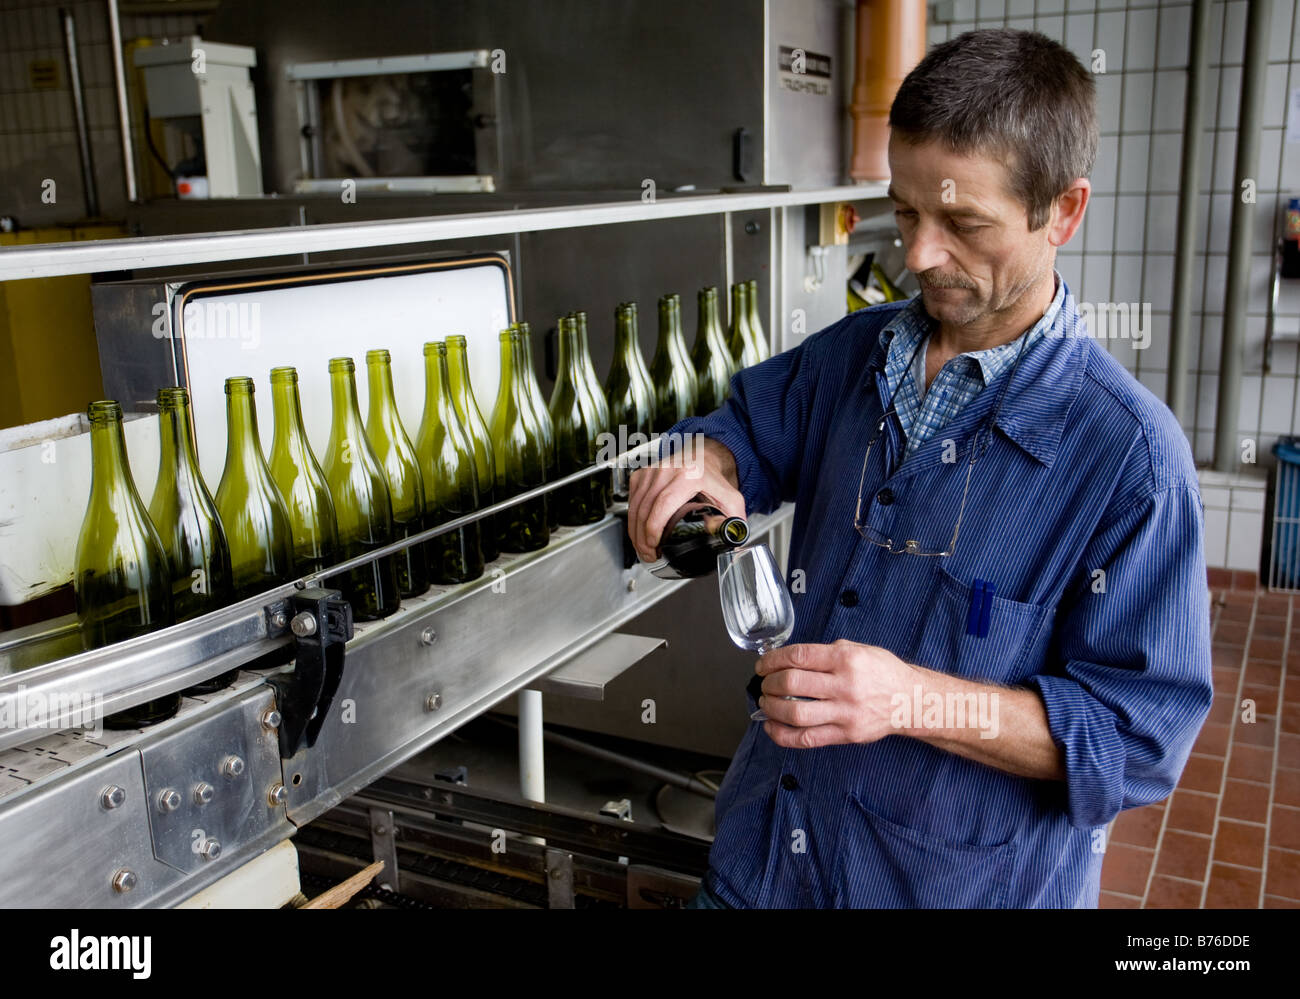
433,702
752,227
203,792
232,766
210,850
631,585
303,624
271,719
169,799
124,881
381,830
113,797
278,795
279,620
428,636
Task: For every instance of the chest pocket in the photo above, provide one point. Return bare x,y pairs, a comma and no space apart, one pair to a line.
1012,650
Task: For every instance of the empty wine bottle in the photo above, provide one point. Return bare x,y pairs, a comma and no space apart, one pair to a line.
696,534
121,584
251,507
573,415
187,521
541,416
710,355
361,502
671,370
519,454
628,388
312,524
450,476
471,418
401,468
743,351
600,424
761,347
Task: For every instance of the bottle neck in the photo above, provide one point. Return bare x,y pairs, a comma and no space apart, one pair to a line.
383,403
568,362
665,325
625,338
739,305
288,415
241,428
109,469
177,457
346,418
708,317
458,375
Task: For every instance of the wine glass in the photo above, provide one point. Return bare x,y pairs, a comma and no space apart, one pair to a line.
755,605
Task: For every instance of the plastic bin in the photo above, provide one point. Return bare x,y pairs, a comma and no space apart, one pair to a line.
1284,564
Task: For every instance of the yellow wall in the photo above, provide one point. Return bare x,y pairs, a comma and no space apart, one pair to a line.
49,362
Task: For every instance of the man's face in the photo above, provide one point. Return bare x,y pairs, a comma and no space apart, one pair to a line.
967,239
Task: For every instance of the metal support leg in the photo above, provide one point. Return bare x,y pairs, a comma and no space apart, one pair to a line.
384,845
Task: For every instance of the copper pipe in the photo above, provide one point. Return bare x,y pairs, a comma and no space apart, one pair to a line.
890,42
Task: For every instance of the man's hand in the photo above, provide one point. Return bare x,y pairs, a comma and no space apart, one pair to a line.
865,693
854,685
655,493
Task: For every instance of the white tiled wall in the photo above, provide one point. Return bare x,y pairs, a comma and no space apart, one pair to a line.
1125,250
37,140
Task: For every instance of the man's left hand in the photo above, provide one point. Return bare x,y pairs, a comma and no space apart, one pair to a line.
854,686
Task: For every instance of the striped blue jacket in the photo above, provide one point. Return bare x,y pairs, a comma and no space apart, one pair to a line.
1086,471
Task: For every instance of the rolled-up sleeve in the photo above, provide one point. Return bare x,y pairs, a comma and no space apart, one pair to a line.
764,423
1132,682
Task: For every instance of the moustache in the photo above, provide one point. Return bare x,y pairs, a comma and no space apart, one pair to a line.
929,281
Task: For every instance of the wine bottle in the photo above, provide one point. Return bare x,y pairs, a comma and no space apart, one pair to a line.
573,415
628,388
251,507
541,417
671,370
462,396
761,346
187,521
401,468
739,338
519,454
450,476
312,524
121,585
696,534
710,355
599,425
361,502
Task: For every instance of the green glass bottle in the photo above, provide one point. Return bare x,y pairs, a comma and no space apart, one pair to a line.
450,476
761,347
710,355
462,397
362,506
628,388
251,507
541,417
739,338
519,453
121,583
401,467
599,426
188,523
572,415
671,370
298,476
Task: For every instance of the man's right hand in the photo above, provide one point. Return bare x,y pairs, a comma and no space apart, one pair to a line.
655,493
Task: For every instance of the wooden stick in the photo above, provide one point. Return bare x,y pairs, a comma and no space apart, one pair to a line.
334,897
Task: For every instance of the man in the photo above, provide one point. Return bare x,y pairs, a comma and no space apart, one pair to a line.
1002,613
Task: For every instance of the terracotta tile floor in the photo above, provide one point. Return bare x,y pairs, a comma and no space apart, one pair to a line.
1229,835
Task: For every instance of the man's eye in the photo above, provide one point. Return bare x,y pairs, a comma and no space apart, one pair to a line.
957,227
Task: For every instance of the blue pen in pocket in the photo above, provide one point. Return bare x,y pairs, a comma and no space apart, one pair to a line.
980,615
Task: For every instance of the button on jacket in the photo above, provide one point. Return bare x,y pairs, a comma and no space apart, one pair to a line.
1084,513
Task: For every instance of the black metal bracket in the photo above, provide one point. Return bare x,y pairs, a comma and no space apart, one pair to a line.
321,622
630,557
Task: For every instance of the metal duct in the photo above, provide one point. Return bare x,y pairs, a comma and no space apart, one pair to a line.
890,42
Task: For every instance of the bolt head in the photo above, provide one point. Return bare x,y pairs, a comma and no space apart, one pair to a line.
631,585
113,797
124,881
279,620
169,800
271,719
278,794
203,792
428,636
433,702
210,850
232,766
303,624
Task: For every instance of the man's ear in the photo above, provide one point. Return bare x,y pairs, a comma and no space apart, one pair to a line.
1067,212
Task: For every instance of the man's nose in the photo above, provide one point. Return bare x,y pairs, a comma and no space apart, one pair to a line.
925,249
